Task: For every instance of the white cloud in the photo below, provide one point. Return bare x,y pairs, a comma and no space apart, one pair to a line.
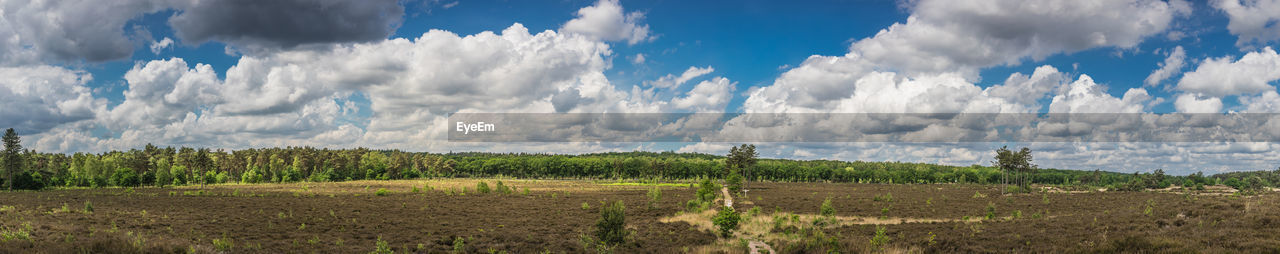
708,96
1197,103
157,46
1025,90
1267,102
605,20
1171,66
1224,76
942,36
673,81
1085,96
638,59
1253,21
37,98
935,56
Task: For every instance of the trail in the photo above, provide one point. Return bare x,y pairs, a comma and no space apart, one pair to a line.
754,245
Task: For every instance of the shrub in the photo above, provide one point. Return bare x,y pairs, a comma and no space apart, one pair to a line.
30,180
459,244
734,181
880,239
223,244
251,176
991,210
977,194
655,195
381,192
501,188
88,207
707,191
482,187
381,247
887,197
124,177
727,221
693,206
611,226
827,209
585,206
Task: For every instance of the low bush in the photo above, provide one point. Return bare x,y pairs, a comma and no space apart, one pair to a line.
482,187
381,192
727,221
611,228
887,197
655,195
381,247
501,188
991,210
880,239
826,209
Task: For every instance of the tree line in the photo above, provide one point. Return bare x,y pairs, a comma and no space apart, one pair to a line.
165,166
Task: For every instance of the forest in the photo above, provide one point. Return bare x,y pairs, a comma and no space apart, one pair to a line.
163,166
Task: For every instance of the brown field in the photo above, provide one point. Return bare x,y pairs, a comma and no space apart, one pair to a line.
349,218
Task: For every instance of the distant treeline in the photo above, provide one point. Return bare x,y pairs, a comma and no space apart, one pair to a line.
156,166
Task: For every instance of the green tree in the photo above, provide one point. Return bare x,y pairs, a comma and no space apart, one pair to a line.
611,228
12,156
740,160
727,221
1017,165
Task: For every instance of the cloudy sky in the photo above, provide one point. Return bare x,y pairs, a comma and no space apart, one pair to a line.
91,76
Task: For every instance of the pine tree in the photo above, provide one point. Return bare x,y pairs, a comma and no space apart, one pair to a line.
12,155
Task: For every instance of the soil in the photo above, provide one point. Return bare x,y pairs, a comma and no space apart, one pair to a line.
349,217
268,219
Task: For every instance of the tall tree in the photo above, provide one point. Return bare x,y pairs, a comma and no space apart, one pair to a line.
740,159
1018,164
12,155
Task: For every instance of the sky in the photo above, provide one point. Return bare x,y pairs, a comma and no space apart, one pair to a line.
93,76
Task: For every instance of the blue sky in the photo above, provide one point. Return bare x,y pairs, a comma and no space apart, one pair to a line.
385,74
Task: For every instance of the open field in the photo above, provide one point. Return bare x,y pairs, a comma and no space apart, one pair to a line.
346,217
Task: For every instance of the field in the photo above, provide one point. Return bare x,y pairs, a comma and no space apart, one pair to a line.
435,216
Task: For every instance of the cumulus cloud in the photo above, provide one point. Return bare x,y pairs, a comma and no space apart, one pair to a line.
932,60
258,25
1267,102
1085,96
1253,21
1026,90
1224,76
708,96
36,99
673,81
607,21
949,35
160,45
1197,103
1171,65
68,31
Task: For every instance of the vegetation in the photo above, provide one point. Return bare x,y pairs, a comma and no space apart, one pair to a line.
826,209
1016,166
157,166
611,228
727,221
740,159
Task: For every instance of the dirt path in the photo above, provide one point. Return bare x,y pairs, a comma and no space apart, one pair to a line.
754,245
